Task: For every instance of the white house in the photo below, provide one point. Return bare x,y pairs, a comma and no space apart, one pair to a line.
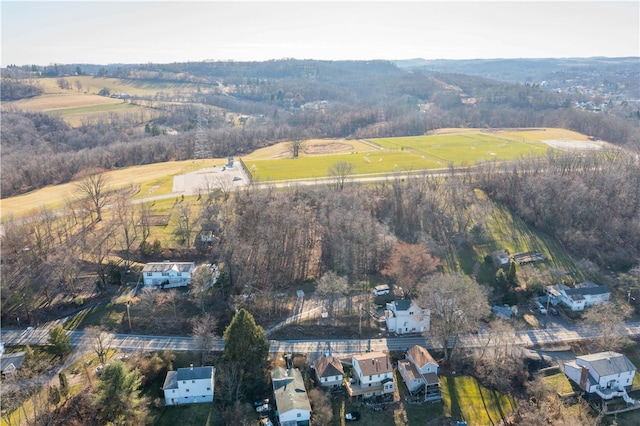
189,385
580,296
606,374
372,375
329,372
292,403
168,274
404,317
420,372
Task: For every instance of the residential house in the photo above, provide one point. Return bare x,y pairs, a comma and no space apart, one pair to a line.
372,375
329,372
292,403
10,363
420,372
405,317
189,385
168,274
581,296
605,374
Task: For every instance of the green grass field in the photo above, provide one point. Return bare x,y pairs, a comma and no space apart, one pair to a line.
465,398
401,154
463,149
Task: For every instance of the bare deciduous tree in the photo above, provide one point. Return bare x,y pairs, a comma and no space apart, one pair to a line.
204,333
99,341
609,317
95,189
456,304
340,171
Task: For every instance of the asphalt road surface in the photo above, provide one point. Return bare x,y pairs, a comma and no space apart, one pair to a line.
317,347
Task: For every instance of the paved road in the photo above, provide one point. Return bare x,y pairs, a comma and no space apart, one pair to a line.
338,347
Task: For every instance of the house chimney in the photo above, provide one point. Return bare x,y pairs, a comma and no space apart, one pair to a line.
191,366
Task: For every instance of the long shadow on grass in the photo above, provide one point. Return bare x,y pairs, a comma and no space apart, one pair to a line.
454,408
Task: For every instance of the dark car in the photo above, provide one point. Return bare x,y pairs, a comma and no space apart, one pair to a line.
553,311
352,416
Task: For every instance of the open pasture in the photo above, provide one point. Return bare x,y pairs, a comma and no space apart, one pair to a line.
154,179
373,162
464,148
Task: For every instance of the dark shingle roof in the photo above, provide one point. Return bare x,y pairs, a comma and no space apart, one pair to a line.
195,373
328,366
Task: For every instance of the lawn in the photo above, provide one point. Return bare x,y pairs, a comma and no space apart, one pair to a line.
560,383
465,398
206,414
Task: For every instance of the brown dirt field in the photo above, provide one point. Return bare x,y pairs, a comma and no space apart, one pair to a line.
328,148
50,102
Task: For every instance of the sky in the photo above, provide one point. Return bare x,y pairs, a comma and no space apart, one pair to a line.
156,31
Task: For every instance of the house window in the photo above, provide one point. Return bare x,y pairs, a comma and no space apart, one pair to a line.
165,274
184,382
410,312
209,389
187,390
299,414
193,381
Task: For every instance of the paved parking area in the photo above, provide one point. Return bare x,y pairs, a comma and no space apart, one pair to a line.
207,179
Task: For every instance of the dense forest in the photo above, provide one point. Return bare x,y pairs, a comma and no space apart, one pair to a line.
284,99
587,202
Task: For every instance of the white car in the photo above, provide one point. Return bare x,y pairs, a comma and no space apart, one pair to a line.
263,408
541,308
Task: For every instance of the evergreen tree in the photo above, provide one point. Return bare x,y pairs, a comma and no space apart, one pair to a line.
246,344
64,384
59,340
118,397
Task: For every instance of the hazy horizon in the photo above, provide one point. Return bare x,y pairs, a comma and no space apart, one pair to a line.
94,32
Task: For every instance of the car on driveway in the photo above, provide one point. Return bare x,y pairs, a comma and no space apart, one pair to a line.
352,416
263,408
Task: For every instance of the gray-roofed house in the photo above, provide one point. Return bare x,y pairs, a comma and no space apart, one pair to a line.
581,296
167,274
292,403
10,363
406,317
189,385
605,374
420,372
329,372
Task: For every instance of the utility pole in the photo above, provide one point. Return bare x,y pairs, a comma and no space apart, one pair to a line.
128,314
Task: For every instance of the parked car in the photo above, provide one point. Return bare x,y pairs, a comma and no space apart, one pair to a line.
541,308
352,416
260,402
263,408
266,421
553,311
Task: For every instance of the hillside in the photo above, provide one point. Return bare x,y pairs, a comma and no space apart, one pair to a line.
158,112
